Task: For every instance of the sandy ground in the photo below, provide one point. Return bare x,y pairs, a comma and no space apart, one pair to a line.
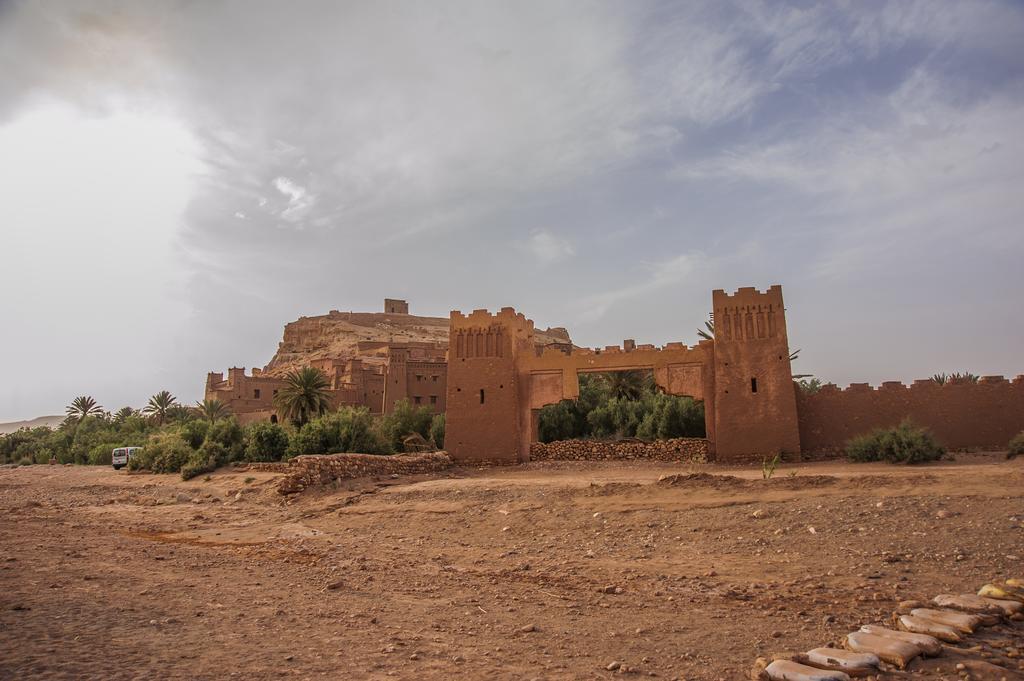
485,573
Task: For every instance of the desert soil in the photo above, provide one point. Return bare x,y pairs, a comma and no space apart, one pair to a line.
550,571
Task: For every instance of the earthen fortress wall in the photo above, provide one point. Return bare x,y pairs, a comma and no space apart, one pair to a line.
982,415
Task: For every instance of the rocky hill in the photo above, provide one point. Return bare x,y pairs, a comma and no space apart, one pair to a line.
337,335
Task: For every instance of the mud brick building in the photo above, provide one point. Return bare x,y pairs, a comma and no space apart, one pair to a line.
498,380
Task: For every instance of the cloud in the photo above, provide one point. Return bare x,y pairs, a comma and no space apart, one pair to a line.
657,276
677,147
548,248
300,201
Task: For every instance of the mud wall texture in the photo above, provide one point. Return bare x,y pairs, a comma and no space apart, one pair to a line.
322,469
982,415
692,450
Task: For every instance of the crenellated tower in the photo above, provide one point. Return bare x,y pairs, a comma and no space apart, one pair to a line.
755,398
485,410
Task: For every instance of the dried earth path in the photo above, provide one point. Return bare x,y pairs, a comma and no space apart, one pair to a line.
547,571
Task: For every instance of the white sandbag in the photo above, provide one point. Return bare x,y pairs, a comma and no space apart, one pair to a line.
787,670
855,664
1008,607
891,650
958,620
968,603
929,645
921,625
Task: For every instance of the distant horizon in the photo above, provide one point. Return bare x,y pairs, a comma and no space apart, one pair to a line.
182,179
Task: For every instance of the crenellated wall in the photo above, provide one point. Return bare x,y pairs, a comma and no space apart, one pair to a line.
984,415
498,379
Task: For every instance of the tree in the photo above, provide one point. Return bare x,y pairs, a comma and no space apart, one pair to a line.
211,410
82,407
304,395
123,414
955,378
809,385
626,385
159,405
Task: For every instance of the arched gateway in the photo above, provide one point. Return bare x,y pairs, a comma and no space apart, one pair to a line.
497,379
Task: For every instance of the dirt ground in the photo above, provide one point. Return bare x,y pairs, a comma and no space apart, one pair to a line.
546,571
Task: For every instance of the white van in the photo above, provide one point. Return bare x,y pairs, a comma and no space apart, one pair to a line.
121,455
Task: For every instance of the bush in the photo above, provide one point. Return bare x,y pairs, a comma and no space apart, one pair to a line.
265,442
194,433
437,431
350,429
1016,446
101,454
208,458
230,435
405,420
162,453
906,443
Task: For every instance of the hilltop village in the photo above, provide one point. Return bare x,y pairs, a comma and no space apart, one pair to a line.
371,359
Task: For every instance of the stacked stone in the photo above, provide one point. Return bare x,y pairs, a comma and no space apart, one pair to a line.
270,466
691,450
322,469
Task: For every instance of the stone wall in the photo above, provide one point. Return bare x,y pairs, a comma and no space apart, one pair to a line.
691,450
982,415
322,469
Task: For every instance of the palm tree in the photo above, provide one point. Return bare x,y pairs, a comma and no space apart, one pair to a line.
955,378
123,414
304,395
159,405
211,410
82,407
626,385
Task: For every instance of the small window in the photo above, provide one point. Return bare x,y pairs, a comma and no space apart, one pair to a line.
434,377
256,393
481,395
753,385
416,399
433,399
273,418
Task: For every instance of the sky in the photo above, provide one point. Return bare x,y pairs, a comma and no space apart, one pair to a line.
180,179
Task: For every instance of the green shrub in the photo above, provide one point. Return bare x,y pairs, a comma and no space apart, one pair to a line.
163,453
405,420
208,458
905,443
350,429
25,461
265,442
194,433
229,434
1016,446
314,437
101,454
437,431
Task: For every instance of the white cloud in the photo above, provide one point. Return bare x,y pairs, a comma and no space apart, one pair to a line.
300,201
549,248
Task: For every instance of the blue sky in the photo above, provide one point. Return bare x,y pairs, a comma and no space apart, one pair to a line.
181,179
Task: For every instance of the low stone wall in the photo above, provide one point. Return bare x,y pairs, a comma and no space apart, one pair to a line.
691,450
269,466
322,469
